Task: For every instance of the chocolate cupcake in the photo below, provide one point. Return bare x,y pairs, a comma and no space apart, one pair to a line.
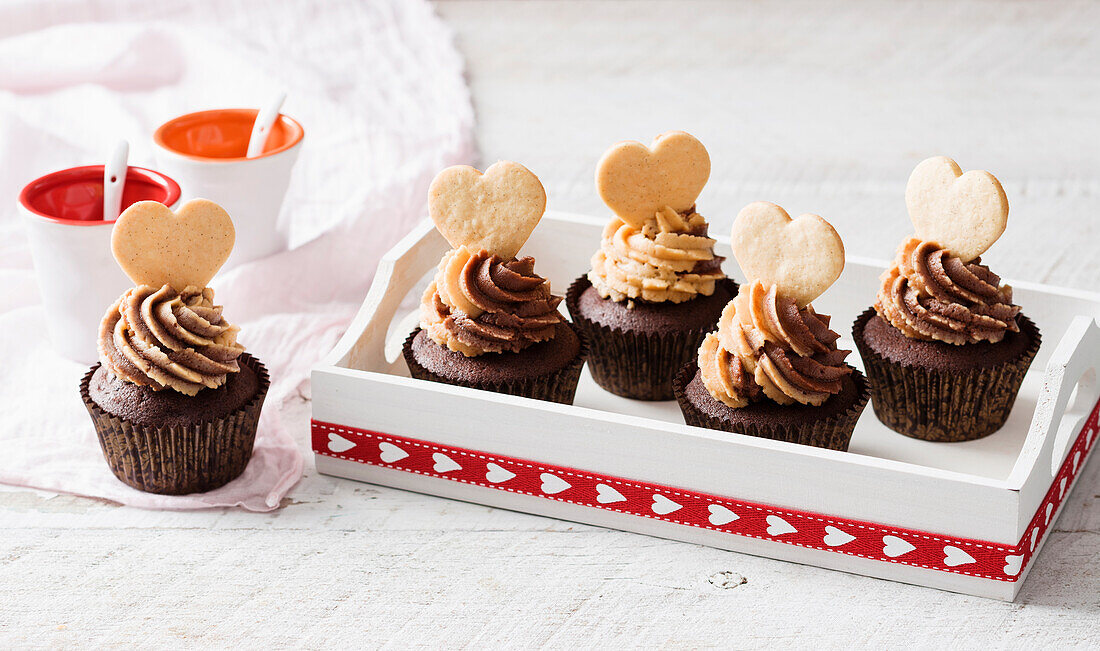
174,399
656,287
945,348
772,369
487,320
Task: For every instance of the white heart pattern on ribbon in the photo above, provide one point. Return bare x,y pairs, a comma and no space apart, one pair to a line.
1076,460
443,463
1034,538
390,452
1013,564
835,537
777,526
608,495
663,506
1061,488
720,515
1046,518
496,474
552,484
954,557
894,546
339,444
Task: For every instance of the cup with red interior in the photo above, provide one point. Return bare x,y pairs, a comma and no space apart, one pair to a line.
71,247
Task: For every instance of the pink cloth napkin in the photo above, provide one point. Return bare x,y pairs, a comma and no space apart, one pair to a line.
379,89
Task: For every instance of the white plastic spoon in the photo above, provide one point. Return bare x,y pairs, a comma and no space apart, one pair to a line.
261,128
114,181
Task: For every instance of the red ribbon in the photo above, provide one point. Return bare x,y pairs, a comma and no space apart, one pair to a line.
690,508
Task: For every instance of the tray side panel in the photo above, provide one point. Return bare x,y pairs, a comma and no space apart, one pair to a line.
676,455
737,518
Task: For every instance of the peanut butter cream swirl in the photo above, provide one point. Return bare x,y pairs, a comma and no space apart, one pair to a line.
766,346
162,338
670,258
479,303
930,294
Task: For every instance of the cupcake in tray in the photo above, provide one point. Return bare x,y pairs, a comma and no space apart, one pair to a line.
945,348
772,369
487,320
175,399
656,287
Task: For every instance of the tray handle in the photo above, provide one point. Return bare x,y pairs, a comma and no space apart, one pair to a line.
363,346
1071,372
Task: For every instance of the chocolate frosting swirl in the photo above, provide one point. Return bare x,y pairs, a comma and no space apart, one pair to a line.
767,346
162,338
930,294
480,303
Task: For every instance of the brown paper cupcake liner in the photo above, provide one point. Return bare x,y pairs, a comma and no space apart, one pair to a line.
177,460
635,364
559,386
832,433
944,405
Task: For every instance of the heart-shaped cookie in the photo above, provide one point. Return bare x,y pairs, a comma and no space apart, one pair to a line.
155,246
636,181
964,213
802,257
495,211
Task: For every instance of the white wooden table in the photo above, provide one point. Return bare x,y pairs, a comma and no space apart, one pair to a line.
821,107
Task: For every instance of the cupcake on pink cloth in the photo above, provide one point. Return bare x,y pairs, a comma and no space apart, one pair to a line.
175,399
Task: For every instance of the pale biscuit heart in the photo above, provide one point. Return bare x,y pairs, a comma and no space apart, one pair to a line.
495,211
155,246
636,181
964,213
802,257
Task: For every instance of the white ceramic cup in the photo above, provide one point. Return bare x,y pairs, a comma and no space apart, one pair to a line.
71,246
205,152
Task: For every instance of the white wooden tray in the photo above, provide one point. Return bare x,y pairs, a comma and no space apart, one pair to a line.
966,517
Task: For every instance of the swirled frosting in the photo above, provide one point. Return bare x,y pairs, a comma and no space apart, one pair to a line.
161,338
480,303
767,346
930,294
670,258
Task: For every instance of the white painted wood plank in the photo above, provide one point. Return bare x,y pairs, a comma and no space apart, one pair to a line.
818,106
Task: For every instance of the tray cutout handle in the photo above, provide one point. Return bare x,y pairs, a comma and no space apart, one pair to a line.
1071,372
363,346
1081,401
